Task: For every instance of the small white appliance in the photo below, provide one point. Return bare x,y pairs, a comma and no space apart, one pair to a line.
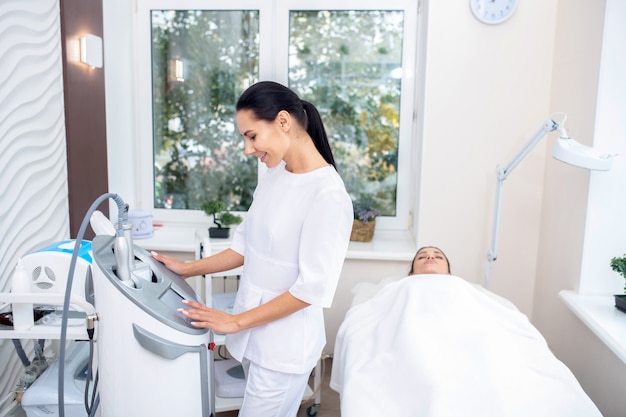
142,223
48,269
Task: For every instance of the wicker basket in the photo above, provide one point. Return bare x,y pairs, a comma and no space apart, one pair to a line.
362,232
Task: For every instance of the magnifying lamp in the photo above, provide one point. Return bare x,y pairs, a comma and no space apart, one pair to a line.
566,150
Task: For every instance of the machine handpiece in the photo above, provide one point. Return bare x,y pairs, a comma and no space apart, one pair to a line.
122,259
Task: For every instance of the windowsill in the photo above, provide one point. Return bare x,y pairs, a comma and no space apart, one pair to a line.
598,312
386,245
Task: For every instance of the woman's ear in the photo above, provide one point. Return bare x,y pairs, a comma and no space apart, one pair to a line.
283,118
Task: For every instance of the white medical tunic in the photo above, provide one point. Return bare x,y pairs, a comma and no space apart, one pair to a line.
294,238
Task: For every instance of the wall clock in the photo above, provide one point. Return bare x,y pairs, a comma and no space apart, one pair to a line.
493,11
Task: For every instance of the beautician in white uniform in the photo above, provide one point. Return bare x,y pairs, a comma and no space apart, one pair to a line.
292,245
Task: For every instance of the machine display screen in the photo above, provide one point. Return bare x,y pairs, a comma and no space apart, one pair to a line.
172,299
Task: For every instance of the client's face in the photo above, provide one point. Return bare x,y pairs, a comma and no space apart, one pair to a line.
430,261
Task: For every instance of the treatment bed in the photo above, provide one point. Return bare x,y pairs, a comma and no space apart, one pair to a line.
439,346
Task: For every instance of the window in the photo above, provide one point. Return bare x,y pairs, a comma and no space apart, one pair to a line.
202,60
355,62
349,64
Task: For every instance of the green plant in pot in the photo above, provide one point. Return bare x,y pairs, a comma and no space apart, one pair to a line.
222,218
618,264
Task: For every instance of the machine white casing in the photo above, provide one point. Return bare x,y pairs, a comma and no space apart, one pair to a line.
48,268
151,361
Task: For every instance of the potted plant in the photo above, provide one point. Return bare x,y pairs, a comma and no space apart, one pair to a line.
222,218
364,221
618,264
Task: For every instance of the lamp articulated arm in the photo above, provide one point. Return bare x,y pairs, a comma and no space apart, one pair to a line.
566,150
501,174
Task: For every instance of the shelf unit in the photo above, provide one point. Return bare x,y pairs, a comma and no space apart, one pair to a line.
46,331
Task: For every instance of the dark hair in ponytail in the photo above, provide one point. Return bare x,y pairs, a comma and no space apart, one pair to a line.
267,98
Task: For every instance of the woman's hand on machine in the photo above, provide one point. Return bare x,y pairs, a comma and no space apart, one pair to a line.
210,318
171,263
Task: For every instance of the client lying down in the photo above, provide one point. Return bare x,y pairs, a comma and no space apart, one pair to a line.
432,344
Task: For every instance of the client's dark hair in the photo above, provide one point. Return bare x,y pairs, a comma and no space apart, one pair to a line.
267,98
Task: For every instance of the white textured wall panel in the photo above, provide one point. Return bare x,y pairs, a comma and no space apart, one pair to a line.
33,170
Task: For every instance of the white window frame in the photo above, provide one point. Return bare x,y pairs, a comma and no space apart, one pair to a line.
273,65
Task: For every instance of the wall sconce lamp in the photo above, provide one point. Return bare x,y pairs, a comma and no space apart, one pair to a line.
91,50
566,150
176,70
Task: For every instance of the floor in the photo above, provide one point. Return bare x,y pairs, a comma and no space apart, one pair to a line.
328,407
329,404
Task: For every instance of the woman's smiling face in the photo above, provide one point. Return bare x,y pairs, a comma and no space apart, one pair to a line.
265,140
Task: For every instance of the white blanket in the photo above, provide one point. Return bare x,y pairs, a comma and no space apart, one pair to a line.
435,345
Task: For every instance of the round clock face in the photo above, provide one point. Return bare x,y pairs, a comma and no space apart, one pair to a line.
493,11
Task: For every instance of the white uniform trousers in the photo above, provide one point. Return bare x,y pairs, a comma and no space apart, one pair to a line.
270,393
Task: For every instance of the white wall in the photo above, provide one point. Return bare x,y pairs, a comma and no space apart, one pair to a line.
582,220
33,173
605,231
487,90
122,148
